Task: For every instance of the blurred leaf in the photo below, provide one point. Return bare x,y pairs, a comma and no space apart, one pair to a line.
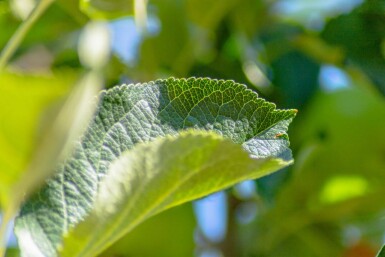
361,34
163,231
249,16
341,143
316,48
340,188
53,25
51,146
315,240
72,8
57,141
171,49
40,154
334,120
278,39
107,9
24,99
132,114
269,186
209,13
296,76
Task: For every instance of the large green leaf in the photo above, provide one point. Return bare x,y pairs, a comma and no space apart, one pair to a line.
133,114
156,176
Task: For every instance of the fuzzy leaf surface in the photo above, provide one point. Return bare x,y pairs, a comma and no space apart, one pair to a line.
132,114
155,176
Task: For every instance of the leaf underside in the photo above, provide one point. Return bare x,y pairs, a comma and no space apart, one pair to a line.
155,176
133,114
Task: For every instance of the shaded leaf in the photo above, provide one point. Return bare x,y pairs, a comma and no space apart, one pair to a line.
208,14
296,76
363,28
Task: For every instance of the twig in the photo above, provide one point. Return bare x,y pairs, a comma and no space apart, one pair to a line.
22,31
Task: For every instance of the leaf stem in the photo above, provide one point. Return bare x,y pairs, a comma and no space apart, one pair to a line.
22,31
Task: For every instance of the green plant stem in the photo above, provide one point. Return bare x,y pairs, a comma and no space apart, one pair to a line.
22,30
7,216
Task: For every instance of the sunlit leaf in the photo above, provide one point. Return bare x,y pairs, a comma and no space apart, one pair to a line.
163,233
58,136
156,176
133,114
340,188
23,102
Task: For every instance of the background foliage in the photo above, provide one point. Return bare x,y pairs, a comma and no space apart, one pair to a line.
325,58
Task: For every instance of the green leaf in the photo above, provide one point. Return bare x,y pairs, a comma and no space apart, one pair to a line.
59,131
37,132
363,28
132,114
155,176
333,180
22,107
32,146
382,252
163,231
173,48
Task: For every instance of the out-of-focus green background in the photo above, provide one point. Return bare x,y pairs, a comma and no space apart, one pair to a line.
322,57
